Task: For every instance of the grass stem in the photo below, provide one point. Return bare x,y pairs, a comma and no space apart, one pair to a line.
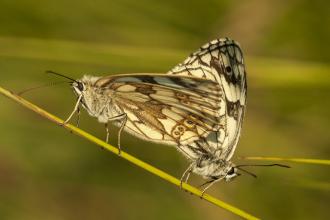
296,160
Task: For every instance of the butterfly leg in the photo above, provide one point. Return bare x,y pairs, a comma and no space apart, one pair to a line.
108,133
209,184
186,174
122,117
76,107
120,130
78,117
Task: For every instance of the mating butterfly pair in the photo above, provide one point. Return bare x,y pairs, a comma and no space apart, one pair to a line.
198,106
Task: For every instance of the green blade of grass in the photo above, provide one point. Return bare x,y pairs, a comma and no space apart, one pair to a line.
126,156
297,160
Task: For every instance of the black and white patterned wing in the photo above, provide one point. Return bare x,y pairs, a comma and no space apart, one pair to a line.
164,108
222,61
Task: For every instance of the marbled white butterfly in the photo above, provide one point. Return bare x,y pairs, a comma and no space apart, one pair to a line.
198,106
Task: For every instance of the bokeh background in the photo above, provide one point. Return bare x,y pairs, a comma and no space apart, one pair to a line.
48,173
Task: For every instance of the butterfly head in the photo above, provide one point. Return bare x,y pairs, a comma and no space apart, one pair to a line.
84,85
231,173
89,94
78,87
225,170
216,168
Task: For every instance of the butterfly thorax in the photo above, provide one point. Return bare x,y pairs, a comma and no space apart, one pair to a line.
212,167
95,99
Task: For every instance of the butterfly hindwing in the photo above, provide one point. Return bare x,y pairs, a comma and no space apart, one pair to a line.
220,60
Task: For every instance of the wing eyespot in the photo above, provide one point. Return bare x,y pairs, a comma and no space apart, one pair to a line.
178,131
189,124
180,128
228,69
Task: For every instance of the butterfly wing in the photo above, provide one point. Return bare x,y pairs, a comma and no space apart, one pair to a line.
220,60
163,108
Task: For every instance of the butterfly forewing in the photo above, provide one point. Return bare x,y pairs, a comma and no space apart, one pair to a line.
220,61
168,109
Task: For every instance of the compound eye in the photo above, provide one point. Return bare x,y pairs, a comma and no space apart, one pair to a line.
80,86
231,171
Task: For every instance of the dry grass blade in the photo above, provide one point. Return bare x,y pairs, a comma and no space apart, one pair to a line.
126,156
297,160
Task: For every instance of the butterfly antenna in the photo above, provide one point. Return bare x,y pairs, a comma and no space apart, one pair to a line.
258,165
248,172
61,75
38,87
263,165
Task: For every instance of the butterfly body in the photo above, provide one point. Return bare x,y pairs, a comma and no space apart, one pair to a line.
211,167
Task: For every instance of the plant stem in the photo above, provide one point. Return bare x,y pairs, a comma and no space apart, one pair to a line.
297,160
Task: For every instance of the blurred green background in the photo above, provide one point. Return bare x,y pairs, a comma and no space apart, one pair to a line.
48,173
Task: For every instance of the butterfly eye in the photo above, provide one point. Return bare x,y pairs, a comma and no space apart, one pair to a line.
231,171
80,86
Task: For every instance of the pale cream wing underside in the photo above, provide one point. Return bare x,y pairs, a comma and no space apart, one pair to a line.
168,109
